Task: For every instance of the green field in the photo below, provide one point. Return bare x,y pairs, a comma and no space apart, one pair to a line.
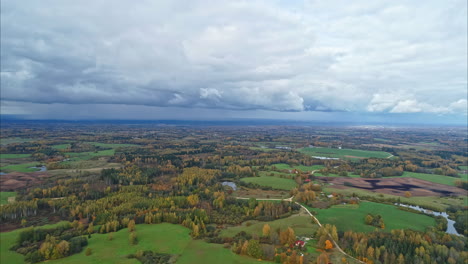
352,154
107,145
438,203
14,156
302,225
447,180
272,181
25,167
61,146
351,217
76,156
4,196
463,167
284,166
7,239
162,238
6,141
336,175
262,149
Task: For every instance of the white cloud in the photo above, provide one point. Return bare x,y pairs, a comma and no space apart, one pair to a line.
365,56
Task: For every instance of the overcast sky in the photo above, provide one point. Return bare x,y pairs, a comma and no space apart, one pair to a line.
313,60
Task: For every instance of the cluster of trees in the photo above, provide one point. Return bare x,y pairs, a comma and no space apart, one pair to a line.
43,244
405,246
374,220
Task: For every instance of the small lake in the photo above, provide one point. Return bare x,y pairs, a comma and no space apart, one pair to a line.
230,184
42,168
450,228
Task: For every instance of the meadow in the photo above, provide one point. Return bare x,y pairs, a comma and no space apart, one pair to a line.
4,196
351,217
284,166
24,167
161,238
447,180
303,225
272,181
353,154
438,203
14,156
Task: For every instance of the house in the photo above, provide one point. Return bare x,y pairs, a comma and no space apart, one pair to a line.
299,243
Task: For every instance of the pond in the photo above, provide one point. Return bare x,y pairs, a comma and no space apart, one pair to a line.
450,228
230,184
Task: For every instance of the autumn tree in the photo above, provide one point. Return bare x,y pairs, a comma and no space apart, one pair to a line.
266,230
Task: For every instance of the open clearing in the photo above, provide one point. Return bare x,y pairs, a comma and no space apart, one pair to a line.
302,224
351,217
24,167
272,181
162,238
4,196
284,166
353,154
17,180
14,156
396,186
431,177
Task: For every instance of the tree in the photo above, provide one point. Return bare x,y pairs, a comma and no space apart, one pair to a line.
193,199
90,228
328,244
131,225
132,238
88,251
253,249
407,194
266,230
323,259
287,236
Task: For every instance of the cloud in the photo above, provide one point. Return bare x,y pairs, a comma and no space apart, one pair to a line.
365,56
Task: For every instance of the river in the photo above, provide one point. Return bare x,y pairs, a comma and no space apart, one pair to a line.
450,228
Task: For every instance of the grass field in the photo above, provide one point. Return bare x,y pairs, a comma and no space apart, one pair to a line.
336,175
6,141
463,167
14,156
351,217
7,239
273,182
76,156
61,146
25,167
439,203
302,225
4,196
447,180
163,238
262,149
107,145
352,154
284,166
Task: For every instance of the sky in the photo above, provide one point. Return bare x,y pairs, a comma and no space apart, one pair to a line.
334,60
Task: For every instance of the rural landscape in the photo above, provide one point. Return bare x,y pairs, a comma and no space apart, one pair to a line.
234,132
164,193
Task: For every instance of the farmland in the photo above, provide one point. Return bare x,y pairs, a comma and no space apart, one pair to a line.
351,217
302,225
161,238
272,181
4,196
353,154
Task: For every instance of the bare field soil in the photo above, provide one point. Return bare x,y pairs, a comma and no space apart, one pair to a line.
395,186
19,180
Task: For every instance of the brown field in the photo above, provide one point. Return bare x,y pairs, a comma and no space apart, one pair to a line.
395,186
19,180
